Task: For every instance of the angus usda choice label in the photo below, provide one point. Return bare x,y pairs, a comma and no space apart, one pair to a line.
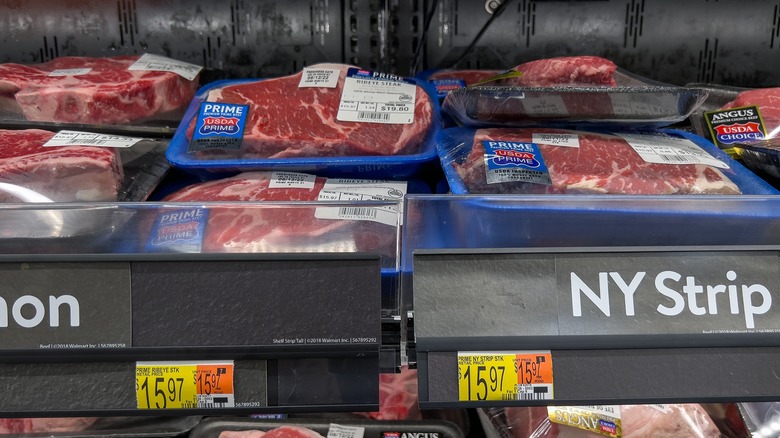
377,98
735,126
598,419
219,126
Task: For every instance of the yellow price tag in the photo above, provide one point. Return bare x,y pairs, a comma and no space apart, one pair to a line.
503,376
184,385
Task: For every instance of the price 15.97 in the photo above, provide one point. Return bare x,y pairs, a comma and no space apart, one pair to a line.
483,380
161,391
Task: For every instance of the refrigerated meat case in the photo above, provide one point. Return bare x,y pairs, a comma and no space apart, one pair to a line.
449,246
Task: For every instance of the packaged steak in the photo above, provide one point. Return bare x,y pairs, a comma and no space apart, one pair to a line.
117,427
571,90
77,172
146,90
38,165
301,213
332,119
745,123
447,80
626,421
314,428
558,161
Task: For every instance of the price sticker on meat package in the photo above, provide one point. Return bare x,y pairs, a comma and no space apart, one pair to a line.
184,385
376,98
505,376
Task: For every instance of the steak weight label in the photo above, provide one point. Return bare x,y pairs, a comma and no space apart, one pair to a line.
377,98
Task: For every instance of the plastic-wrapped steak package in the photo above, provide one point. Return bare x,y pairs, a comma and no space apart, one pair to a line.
571,90
398,397
547,160
117,427
293,227
627,421
96,91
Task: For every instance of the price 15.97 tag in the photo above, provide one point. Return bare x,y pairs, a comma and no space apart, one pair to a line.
184,385
505,376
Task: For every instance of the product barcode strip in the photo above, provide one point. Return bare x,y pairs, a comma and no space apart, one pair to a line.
373,116
87,141
679,159
358,211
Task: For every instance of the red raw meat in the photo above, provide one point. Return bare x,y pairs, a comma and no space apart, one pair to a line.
565,71
768,102
398,396
274,229
279,432
638,421
68,173
285,121
242,434
602,164
32,425
470,77
108,94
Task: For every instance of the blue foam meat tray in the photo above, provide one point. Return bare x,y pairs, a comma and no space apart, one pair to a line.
367,167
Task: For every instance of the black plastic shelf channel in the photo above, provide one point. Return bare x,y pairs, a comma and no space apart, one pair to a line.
303,330
622,325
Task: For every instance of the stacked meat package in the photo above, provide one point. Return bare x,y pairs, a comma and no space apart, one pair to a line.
581,125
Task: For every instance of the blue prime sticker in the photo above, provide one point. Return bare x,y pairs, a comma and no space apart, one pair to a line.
219,126
359,73
178,230
444,86
512,161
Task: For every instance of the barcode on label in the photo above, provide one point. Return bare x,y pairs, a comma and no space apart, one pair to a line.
358,212
87,141
533,392
373,116
679,159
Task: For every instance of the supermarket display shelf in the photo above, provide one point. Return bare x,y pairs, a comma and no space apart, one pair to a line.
77,325
644,320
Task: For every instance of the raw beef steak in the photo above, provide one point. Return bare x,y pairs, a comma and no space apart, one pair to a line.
602,164
274,229
108,94
768,102
286,121
638,421
398,397
565,71
279,432
67,173
32,425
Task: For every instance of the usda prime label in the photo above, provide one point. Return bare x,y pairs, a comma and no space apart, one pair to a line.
512,161
178,230
219,126
65,305
735,125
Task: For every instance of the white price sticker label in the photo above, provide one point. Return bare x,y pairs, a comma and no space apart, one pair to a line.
291,180
339,431
79,138
149,62
70,72
376,98
661,148
338,189
319,77
545,106
646,104
568,140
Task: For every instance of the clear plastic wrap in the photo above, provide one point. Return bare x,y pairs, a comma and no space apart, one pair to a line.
330,119
549,160
30,171
117,427
628,421
146,91
571,90
762,419
743,122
